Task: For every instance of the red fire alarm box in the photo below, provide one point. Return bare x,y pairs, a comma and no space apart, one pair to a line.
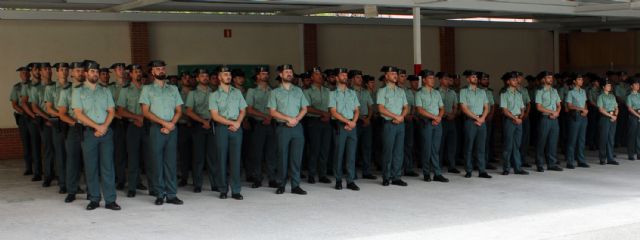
227,33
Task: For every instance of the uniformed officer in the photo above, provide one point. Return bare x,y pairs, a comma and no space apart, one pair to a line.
430,108
345,111
513,107
185,136
162,106
525,116
609,109
621,90
59,129
227,108
119,125
22,119
74,132
548,104
136,142
576,102
483,83
475,106
633,105
197,109
594,114
288,105
93,105
364,128
449,140
409,136
393,107
319,130
263,131
36,99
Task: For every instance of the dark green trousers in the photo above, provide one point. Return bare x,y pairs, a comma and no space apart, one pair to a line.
431,139
74,157
263,150
163,160
346,143
99,169
474,139
511,150
547,142
290,142
577,138
392,150
319,146
607,139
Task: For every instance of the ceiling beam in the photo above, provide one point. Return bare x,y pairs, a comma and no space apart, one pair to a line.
633,5
309,11
133,5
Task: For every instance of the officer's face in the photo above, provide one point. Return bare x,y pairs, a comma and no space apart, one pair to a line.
512,82
92,75
607,87
45,73
225,77
485,82
371,85
213,79
332,79
520,80
342,78
203,78
104,77
238,80
76,73
262,77
391,77
136,75
316,78
473,79
357,80
429,81
635,87
35,73
415,84
548,80
24,75
306,82
287,75
159,73
578,82
119,71
63,73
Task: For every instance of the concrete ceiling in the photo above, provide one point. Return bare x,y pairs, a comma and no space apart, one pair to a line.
567,14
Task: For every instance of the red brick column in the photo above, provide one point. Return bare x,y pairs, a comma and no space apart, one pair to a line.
139,37
310,45
447,49
10,144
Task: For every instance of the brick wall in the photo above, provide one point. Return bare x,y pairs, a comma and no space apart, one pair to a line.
11,146
447,49
310,46
139,35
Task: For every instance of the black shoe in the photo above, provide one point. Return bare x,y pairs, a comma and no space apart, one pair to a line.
427,178
385,182
467,175
113,206
36,178
273,184
491,167
539,169
505,173
182,183
632,158
338,185
325,180
353,187
159,201
399,182
298,190
256,184
453,170
583,165
280,190
440,178
570,166
526,165
175,200
484,175
311,180
141,187
63,190
555,168
93,205
215,189
120,186
131,194
237,196
411,174
47,182
369,176
27,173
197,189
613,163
88,197
223,195
521,172
70,198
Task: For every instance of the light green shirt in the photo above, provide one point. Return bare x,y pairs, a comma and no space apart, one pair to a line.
593,94
65,99
228,104
429,100
608,102
548,97
115,89
258,98
490,99
52,93
26,88
622,90
474,99
130,99
318,98
287,102
393,98
526,99
577,97
162,100
365,100
449,99
15,92
198,101
633,100
36,95
344,101
94,103
511,99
